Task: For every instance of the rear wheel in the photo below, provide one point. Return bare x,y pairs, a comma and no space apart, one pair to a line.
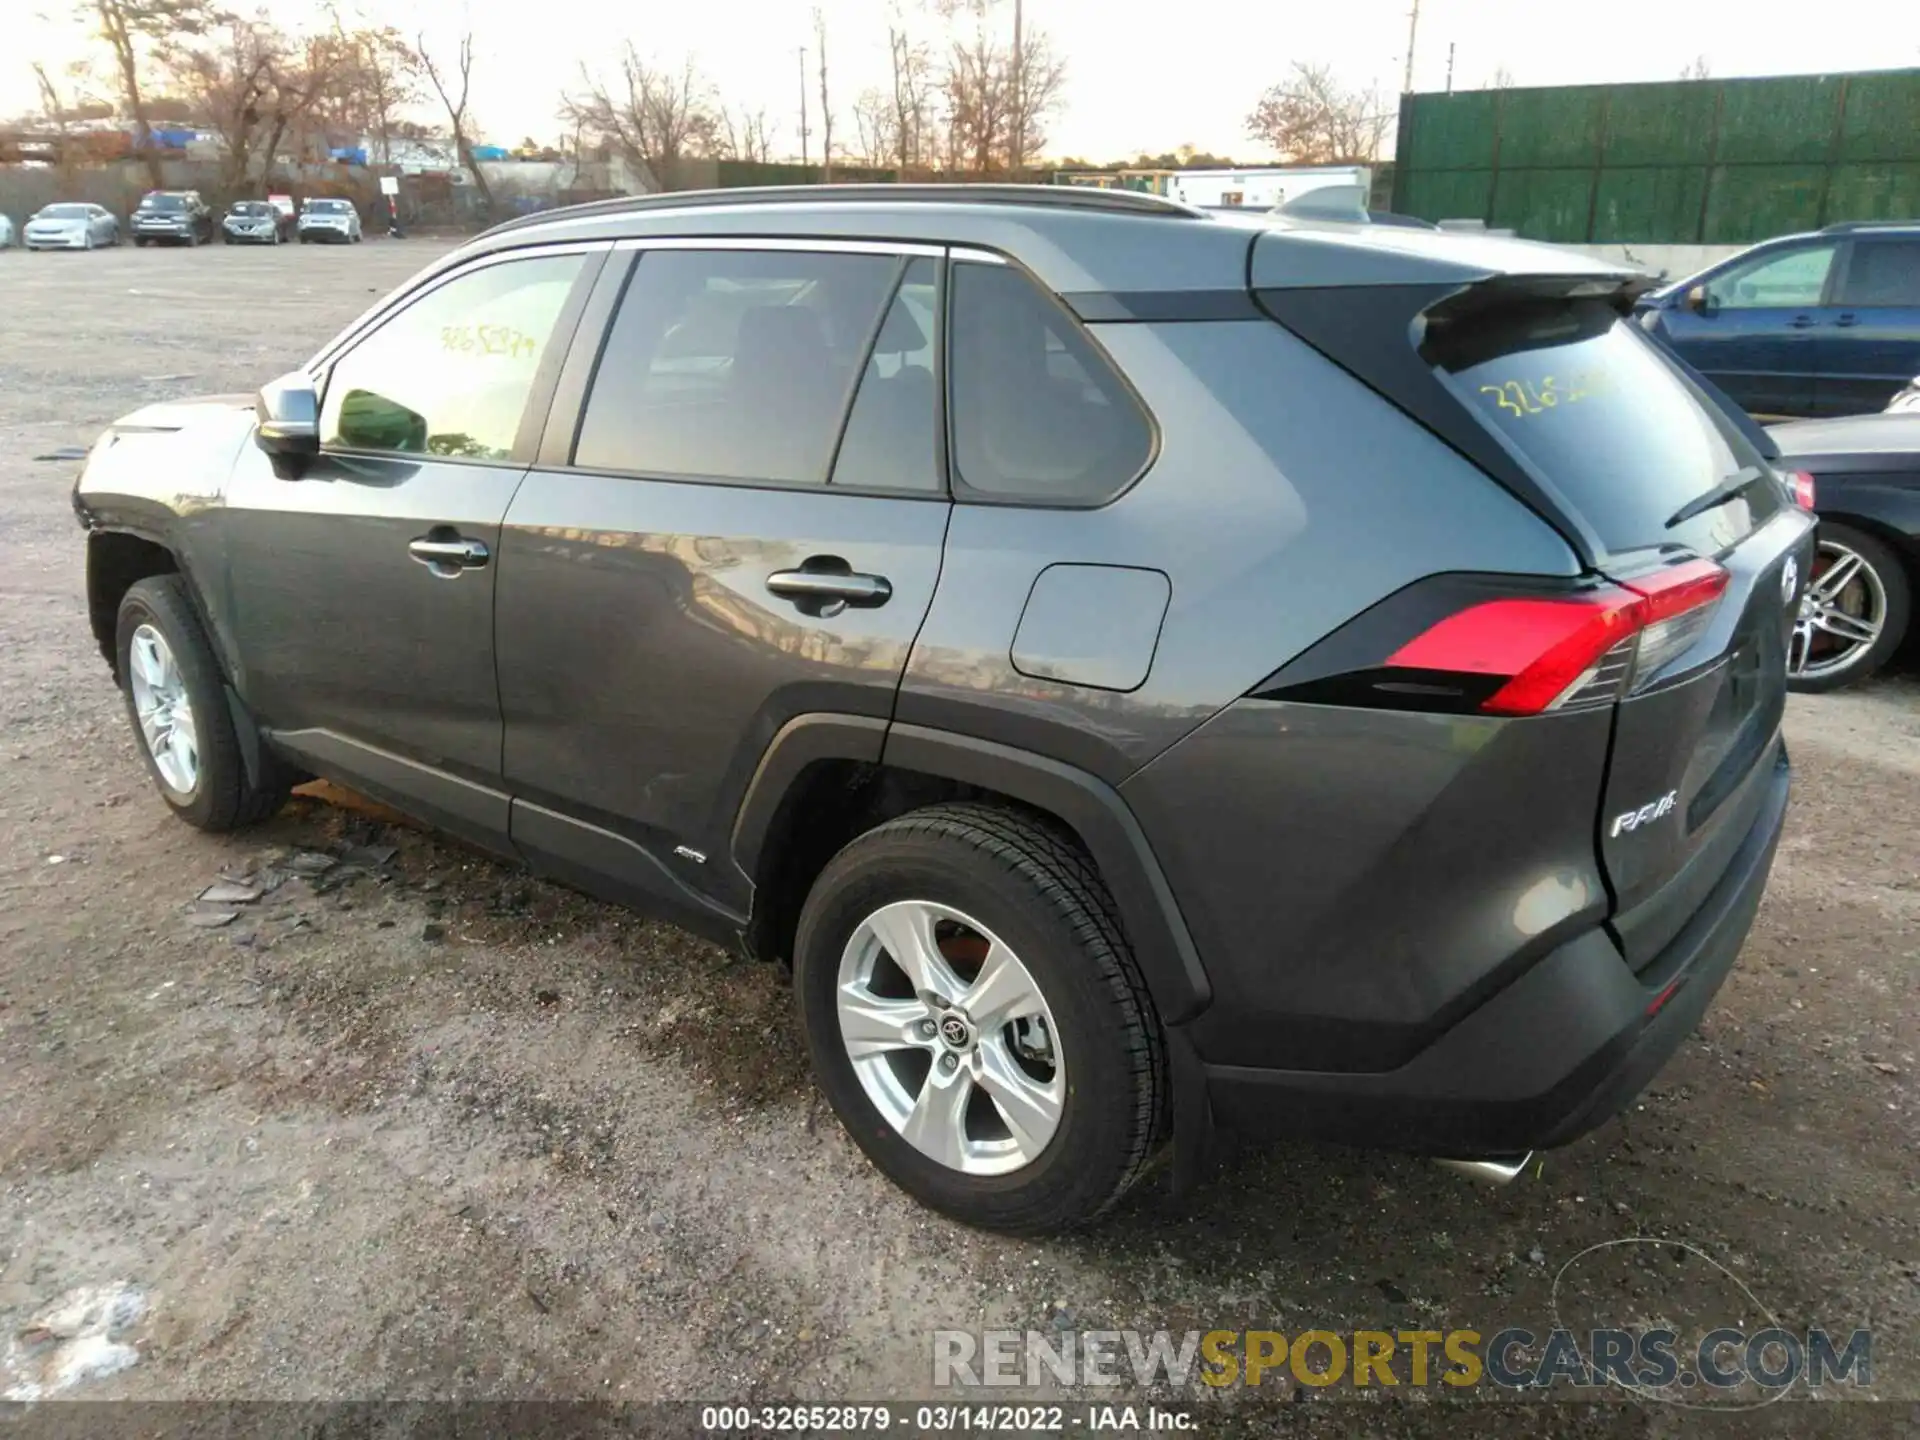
977,1021
1853,612
178,706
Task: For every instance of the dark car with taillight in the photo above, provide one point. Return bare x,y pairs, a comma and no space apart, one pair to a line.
1143,671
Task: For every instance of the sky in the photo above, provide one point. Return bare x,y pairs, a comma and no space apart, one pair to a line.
1140,78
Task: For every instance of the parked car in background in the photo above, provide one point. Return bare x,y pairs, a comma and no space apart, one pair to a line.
1865,477
251,222
172,217
71,225
1819,324
328,219
896,581
1907,399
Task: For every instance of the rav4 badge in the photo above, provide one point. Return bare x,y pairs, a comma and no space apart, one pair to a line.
1645,815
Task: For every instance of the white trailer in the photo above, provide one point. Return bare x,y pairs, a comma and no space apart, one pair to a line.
1262,189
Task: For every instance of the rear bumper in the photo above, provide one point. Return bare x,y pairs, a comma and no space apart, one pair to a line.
1561,1050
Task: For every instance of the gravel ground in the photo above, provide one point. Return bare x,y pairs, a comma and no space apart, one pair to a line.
421,1127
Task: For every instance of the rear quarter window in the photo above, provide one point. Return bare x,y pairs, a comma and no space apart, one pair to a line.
1039,414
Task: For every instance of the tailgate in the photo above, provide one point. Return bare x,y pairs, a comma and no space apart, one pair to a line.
1691,755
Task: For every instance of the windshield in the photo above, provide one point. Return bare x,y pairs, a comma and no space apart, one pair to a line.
64,212
1581,393
162,202
327,207
252,207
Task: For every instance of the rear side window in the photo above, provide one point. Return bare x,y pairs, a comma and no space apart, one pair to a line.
1787,279
1039,415
892,440
1883,273
734,365
1619,432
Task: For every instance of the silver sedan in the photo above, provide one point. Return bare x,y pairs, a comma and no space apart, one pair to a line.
70,226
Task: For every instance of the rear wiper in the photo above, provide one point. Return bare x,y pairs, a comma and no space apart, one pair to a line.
1719,495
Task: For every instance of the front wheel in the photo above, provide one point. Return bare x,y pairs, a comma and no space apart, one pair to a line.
178,706
977,1021
1853,612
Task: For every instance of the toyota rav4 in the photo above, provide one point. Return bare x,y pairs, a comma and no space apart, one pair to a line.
1143,671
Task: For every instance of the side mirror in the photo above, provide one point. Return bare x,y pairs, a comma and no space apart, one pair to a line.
287,423
1699,302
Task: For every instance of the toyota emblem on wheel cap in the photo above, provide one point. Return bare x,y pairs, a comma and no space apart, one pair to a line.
955,1031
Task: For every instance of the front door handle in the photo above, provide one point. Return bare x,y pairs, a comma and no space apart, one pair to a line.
1801,322
825,585
446,554
1847,319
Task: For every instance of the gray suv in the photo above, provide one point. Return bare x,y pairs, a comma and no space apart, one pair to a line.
1144,671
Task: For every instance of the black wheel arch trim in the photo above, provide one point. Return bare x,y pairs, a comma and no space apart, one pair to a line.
1091,808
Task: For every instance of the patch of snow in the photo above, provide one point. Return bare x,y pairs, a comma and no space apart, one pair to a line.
80,1337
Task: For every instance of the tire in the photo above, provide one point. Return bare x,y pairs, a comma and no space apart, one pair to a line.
1032,889
1882,579
139,242
220,797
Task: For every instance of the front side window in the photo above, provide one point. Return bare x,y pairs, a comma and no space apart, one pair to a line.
734,364
1883,273
1794,279
450,374
1038,413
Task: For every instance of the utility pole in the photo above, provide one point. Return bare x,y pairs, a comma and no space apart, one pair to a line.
803,107
1016,149
1413,33
1449,67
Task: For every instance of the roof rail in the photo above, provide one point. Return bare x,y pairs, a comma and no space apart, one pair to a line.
1844,225
1065,197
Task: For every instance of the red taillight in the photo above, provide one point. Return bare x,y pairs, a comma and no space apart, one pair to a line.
1553,650
1802,485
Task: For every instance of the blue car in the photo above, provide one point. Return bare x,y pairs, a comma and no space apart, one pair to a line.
1820,324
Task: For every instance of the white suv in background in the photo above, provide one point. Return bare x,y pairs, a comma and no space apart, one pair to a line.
329,219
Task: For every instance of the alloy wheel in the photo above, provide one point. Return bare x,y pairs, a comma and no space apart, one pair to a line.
951,1038
165,713
1842,613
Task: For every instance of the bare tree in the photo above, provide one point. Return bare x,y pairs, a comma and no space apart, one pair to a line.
1039,78
59,112
1310,119
748,136
873,128
132,29
1697,69
914,84
302,71
654,119
1501,79
456,104
826,104
378,76
233,79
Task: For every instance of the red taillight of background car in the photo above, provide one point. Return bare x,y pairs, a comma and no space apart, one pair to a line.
1551,652
1802,485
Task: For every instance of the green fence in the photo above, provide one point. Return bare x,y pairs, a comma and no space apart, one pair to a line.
1688,162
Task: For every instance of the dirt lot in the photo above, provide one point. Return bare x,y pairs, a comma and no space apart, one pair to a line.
443,1131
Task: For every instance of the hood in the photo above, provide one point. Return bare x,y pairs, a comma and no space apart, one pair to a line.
55,222
179,414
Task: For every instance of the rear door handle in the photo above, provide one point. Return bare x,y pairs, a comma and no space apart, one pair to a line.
447,554
825,585
1847,319
1801,322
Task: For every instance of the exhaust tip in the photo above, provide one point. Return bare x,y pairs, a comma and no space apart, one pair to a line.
1500,1171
